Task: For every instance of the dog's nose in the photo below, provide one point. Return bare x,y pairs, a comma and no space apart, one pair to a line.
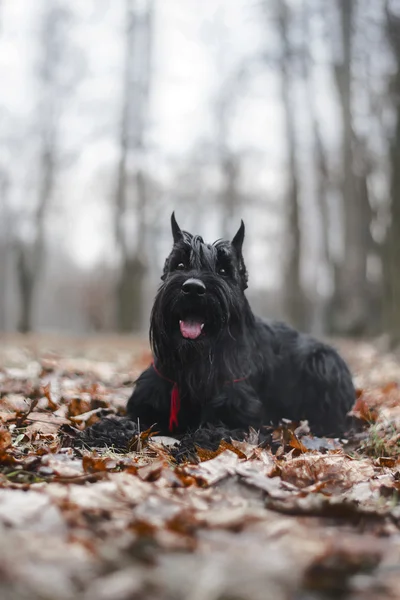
195,287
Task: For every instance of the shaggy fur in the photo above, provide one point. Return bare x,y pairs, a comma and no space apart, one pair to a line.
241,371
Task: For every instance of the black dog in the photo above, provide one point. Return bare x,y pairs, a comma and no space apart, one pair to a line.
216,363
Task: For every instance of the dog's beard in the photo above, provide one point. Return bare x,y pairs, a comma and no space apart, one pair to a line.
186,325
215,351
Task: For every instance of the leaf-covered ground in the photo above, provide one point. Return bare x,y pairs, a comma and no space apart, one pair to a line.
307,519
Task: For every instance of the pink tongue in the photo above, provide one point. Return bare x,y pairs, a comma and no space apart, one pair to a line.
190,329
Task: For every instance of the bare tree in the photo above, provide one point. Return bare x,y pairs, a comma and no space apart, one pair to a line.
228,160
319,315
30,255
132,187
4,246
391,251
294,296
350,307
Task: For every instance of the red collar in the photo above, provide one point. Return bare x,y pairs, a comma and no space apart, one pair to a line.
176,399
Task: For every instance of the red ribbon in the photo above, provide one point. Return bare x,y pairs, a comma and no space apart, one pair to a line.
175,407
176,399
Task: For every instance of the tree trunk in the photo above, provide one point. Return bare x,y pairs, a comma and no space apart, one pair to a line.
319,313
228,163
26,286
130,301
229,193
391,250
30,260
4,248
129,290
294,297
350,305
124,308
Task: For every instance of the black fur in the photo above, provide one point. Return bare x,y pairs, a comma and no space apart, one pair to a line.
282,373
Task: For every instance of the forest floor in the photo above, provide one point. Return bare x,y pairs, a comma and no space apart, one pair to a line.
313,519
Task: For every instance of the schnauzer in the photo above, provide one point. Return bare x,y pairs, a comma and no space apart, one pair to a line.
217,364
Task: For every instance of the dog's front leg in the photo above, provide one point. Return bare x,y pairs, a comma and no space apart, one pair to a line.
236,407
150,402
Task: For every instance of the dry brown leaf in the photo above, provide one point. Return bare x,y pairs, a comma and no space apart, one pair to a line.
152,472
245,448
364,412
7,459
205,455
5,438
30,510
211,471
14,403
293,441
388,461
264,456
95,464
338,469
138,515
139,442
92,416
6,417
44,424
341,560
257,475
185,479
77,407
62,465
390,387
47,393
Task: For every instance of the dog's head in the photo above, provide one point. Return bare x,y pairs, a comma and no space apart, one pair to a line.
202,295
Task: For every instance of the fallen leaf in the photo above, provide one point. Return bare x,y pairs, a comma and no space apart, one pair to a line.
92,416
5,438
62,465
206,455
343,472
95,464
211,471
152,472
44,423
47,393
78,407
390,387
342,559
364,412
140,441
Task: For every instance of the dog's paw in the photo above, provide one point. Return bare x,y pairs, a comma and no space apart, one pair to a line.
113,432
205,438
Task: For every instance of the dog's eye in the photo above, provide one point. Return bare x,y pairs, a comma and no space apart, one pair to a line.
180,267
222,271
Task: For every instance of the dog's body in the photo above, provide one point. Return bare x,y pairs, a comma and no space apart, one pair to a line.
216,363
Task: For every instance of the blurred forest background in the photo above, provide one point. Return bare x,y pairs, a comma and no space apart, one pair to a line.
285,113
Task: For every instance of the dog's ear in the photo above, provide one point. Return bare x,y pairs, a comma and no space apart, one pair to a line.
237,244
237,241
176,230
